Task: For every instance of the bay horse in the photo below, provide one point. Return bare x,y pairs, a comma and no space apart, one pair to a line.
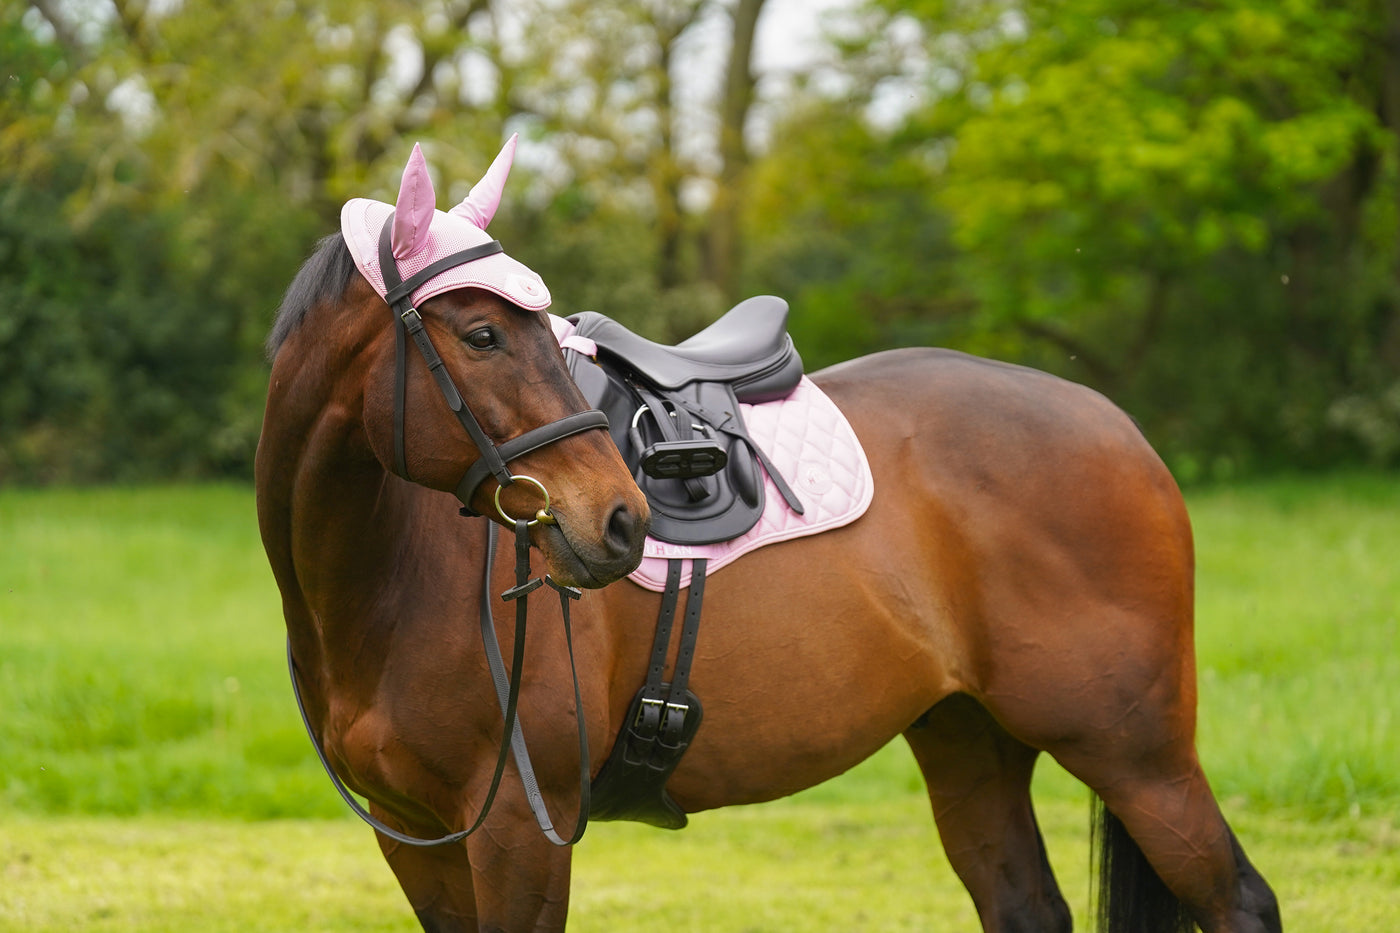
1022,582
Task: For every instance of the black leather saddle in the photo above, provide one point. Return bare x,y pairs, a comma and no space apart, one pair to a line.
674,414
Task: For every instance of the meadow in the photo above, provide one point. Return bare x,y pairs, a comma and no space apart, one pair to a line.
154,776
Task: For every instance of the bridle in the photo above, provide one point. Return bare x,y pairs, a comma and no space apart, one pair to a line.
408,323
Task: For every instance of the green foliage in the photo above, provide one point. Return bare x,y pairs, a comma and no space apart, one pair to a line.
1193,209
844,231
130,344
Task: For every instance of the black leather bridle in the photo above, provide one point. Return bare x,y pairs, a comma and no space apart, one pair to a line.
491,463
408,323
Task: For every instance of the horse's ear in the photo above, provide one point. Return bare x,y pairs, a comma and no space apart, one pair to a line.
480,204
413,212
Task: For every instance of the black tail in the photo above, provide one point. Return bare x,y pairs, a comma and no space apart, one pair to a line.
1131,897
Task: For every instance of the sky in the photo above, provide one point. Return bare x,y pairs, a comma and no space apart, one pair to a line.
789,32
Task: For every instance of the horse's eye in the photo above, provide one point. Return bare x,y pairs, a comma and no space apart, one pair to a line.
482,339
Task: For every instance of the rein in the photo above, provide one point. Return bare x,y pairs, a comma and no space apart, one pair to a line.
408,324
507,695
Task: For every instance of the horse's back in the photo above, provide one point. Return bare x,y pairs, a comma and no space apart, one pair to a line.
1014,515
970,408
977,427
1058,537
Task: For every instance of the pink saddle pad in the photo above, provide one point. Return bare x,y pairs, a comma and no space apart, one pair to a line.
813,446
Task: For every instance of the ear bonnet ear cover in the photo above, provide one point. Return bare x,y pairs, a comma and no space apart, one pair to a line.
422,235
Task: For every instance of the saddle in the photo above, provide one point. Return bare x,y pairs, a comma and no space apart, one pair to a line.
674,414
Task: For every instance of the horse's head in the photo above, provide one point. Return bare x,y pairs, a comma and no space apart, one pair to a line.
465,389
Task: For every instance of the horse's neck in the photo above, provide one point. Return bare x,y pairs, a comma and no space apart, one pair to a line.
353,544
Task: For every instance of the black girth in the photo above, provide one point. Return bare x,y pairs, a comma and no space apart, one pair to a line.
661,721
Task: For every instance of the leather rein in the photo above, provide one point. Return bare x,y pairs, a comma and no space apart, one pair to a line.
408,323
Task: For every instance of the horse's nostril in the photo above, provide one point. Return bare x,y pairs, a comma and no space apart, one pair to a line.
624,530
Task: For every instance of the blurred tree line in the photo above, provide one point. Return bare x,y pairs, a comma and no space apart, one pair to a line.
1191,207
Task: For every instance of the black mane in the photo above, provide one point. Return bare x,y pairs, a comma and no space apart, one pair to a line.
323,277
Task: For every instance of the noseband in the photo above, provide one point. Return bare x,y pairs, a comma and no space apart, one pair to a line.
493,459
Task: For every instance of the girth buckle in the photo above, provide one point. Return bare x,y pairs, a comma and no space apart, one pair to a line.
649,709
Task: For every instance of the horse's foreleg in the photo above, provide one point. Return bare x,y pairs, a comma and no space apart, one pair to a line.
437,882
490,882
521,879
978,779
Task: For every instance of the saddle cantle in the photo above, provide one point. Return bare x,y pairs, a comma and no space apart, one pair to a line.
675,416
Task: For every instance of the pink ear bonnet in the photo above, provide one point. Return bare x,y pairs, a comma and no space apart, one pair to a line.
422,234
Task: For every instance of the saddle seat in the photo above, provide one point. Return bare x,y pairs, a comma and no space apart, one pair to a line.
748,348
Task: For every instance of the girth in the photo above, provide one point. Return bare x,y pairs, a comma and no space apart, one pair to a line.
662,720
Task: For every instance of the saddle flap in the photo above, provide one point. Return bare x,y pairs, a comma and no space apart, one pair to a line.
702,482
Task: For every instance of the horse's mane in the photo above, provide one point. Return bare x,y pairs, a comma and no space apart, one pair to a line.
323,277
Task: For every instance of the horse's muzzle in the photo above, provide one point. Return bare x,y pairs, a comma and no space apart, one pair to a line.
593,561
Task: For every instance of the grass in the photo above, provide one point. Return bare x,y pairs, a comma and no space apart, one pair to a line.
1298,635
141,659
153,775
795,865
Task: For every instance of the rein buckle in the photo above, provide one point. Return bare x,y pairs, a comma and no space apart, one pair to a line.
524,589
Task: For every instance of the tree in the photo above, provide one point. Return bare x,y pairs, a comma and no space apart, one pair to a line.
229,135
1191,207
186,157
632,106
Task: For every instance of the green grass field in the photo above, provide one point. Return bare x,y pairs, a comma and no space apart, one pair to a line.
153,775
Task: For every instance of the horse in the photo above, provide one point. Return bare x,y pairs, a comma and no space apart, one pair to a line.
1021,583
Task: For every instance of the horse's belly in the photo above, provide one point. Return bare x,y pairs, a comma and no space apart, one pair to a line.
811,656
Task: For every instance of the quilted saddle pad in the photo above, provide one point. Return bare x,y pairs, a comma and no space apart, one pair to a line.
814,447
